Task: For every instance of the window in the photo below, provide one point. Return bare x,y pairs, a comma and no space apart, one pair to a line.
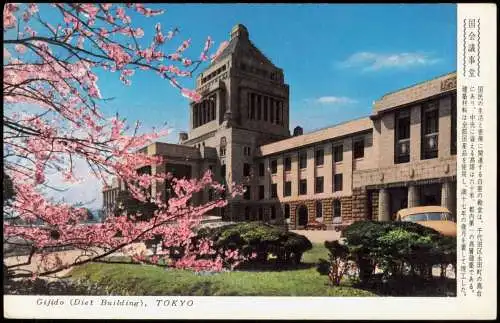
287,211
252,106
261,214
303,187
271,109
337,182
246,169
338,153
222,152
337,206
319,157
453,146
430,130
261,169
288,189
402,137
259,110
247,213
246,195
273,212
265,108
319,185
223,171
246,151
359,148
319,209
274,166
288,164
261,192
303,160
274,190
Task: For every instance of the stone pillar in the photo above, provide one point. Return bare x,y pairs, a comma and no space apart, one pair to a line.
447,196
384,213
413,196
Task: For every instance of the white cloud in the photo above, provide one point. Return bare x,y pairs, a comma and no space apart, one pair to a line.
334,100
370,61
86,190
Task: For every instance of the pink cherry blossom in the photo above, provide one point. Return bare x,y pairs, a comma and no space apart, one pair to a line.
69,125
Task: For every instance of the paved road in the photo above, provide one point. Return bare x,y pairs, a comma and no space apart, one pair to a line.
319,236
66,257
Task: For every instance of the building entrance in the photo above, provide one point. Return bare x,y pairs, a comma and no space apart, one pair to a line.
302,215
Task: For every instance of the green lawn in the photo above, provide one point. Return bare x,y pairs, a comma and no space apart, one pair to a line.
132,279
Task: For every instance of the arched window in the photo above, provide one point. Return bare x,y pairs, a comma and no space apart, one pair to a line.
287,211
319,209
337,211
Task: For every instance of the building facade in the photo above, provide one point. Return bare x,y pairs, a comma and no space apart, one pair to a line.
402,155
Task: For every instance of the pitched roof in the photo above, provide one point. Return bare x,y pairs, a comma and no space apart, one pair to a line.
239,36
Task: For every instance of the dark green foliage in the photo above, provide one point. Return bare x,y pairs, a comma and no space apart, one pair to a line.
258,238
397,248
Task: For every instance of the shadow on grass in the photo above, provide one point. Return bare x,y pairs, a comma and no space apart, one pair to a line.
57,287
273,265
410,286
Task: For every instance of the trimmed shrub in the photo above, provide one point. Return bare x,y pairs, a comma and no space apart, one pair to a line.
261,239
397,248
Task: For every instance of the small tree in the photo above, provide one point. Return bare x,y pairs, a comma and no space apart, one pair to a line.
339,263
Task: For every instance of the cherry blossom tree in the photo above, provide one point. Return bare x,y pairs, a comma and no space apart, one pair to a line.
53,55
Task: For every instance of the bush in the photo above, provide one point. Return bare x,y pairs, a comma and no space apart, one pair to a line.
397,247
338,264
258,238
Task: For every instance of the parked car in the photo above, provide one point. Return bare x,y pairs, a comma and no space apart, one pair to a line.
316,225
435,217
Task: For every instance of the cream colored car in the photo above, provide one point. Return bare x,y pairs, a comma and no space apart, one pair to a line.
435,217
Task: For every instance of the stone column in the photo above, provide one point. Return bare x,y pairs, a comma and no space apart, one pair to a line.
447,196
413,196
383,205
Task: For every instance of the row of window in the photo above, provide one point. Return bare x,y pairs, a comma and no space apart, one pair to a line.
260,213
319,158
204,111
287,189
265,108
247,151
336,208
429,132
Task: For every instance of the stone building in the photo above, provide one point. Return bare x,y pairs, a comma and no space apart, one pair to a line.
403,154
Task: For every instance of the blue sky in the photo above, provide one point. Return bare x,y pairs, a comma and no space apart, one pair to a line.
337,59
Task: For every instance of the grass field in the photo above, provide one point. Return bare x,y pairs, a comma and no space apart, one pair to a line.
132,279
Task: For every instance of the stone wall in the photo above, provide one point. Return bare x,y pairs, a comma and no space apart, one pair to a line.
374,203
359,204
425,169
346,211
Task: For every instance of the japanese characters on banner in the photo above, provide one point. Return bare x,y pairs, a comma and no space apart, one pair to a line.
471,218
